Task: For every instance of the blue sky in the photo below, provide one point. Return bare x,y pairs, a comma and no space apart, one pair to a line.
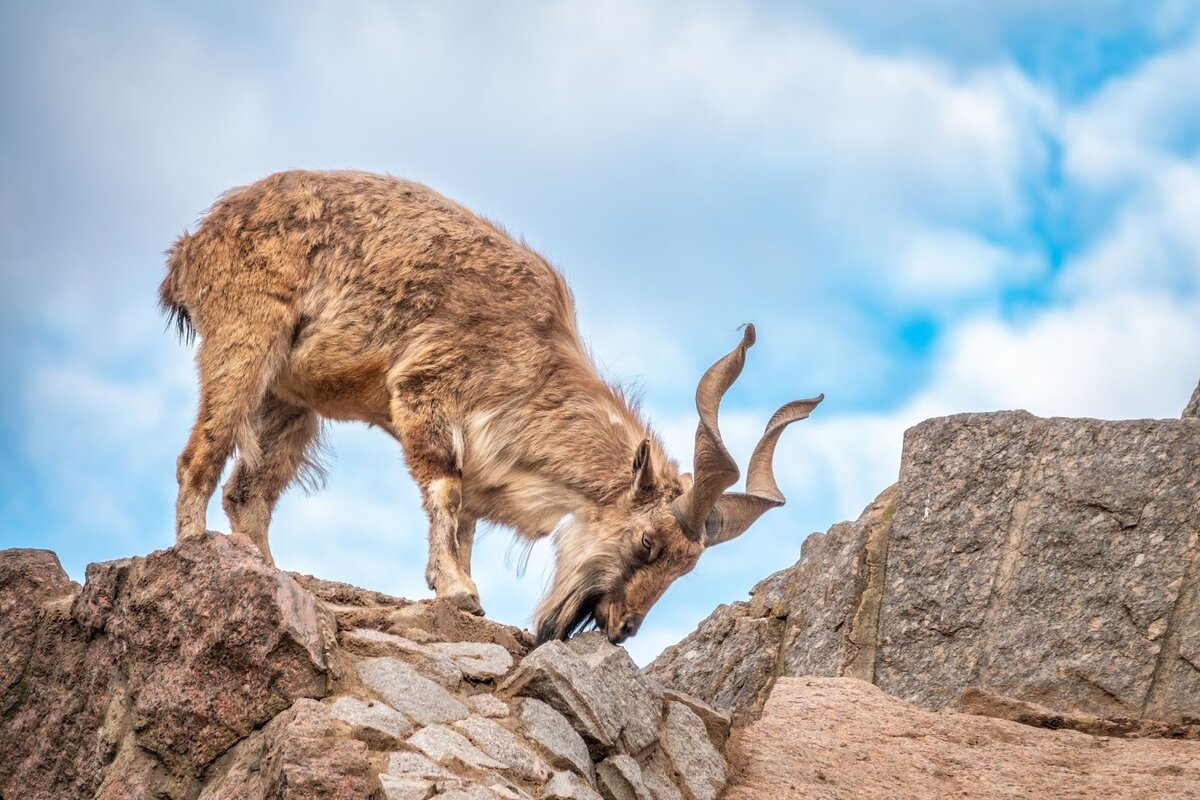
926,208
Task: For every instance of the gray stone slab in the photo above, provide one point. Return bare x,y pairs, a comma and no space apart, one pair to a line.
597,687
502,745
488,705
409,692
550,731
699,764
374,722
1051,560
406,764
447,747
477,660
568,786
620,778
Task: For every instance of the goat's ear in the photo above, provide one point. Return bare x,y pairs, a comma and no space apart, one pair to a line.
686,480
643,467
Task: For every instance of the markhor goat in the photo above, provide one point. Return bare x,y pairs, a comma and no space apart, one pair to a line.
355,296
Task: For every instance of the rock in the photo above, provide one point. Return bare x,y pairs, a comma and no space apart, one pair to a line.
187,674
506,748
698,763
717,722
29,581
434,620
620,778
477,660
368,642
984,703
568,786
550,730
597,687
447,747
407,764
841,737
181,653
656,774
299,754
409,692
488,705
1056,561
464,790
1192,409
378,724
730,660
406,788
806,611
638,698
555,675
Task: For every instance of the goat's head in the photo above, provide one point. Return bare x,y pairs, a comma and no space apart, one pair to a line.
612,567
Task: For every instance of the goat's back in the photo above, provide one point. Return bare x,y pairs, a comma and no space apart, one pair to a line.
356,263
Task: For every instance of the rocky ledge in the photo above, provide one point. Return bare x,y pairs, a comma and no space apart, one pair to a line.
202,672
1050,561
844,738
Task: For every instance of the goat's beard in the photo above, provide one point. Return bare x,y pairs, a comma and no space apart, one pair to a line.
587,571
575,612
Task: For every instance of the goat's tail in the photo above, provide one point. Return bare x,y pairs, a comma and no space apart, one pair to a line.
170,295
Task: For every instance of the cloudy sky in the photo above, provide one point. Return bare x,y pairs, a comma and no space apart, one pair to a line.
926,208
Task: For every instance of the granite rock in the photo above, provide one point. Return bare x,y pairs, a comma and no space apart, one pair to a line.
300,754
378,724
844,738
597,687
568,786
449,747
692,754
409,692
550,731
129,664
1055,561
502,745
620,778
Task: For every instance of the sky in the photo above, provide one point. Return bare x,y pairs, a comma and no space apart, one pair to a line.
926,208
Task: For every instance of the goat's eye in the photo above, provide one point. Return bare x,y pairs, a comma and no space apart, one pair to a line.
647,544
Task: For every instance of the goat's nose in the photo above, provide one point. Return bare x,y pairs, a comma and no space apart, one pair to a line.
630,626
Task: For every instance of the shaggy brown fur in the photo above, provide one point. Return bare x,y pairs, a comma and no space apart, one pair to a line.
354,296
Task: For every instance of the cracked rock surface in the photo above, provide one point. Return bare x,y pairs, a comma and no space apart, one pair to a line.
202,672
1053,561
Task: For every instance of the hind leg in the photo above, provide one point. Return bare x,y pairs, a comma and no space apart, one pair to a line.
286,435
234,372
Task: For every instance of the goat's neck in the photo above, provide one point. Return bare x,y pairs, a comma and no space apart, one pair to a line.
567,451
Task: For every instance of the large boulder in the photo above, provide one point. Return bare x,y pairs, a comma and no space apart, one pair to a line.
163,662
844,738
1054,561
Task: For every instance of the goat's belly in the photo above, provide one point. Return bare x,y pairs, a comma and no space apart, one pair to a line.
338,385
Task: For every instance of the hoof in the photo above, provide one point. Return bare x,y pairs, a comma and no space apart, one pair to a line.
467,602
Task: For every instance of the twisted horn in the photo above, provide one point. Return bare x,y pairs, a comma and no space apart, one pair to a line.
715,470
734,512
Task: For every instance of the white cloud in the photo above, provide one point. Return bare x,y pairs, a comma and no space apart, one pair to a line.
953,268
1136,123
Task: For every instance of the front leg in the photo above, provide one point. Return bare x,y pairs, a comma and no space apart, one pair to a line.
445,573
466,541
